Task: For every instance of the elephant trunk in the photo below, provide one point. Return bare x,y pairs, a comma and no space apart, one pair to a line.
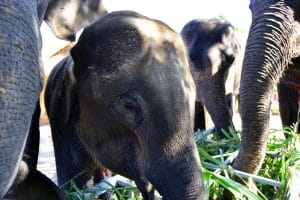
178,176
212,94
20,82
170,158
267,54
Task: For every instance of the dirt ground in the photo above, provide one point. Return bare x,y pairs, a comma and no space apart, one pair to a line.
46,162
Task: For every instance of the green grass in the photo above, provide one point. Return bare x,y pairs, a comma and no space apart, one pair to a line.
281,163
118,193
280,167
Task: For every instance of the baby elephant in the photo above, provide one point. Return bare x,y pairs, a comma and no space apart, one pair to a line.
213,49
125,100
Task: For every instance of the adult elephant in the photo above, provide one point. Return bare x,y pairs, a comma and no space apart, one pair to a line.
21,72
289,94
213,49
126,100
271,45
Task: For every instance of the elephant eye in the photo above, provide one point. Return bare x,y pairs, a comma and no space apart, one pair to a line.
129,101
227,59
127,109
129,104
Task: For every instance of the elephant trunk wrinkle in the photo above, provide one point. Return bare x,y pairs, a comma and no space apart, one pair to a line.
275,49
188,184
213,98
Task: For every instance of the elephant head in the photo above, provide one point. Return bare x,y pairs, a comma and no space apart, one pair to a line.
130,96
66,17
213,48
270,47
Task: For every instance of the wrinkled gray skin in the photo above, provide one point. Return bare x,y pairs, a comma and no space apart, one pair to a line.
20,78
129,98
270,47
213,49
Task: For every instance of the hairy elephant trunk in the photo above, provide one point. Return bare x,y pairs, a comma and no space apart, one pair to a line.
20,82
268,51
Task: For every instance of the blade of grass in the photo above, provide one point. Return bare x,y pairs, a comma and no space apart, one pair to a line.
237,189
245,175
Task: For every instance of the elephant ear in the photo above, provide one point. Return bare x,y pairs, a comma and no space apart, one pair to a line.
70,92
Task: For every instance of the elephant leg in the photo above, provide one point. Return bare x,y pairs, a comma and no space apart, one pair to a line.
237,103
30,184
199,117
31,151
288,104
229,100
20,82
146,189
72,159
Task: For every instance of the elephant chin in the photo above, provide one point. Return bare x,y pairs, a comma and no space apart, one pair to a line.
61,31
269,49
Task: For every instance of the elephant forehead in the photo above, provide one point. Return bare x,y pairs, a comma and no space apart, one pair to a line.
155,33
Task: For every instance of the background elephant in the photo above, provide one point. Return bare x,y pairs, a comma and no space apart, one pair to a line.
20,76
213,49
73,16
289,94
128,102
271,45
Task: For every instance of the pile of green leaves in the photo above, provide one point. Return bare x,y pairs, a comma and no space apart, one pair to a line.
217,156
277,179
111,192
282,163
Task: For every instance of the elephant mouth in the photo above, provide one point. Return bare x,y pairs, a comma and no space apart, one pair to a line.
60,30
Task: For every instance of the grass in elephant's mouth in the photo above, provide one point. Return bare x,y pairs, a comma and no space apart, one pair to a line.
278,178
